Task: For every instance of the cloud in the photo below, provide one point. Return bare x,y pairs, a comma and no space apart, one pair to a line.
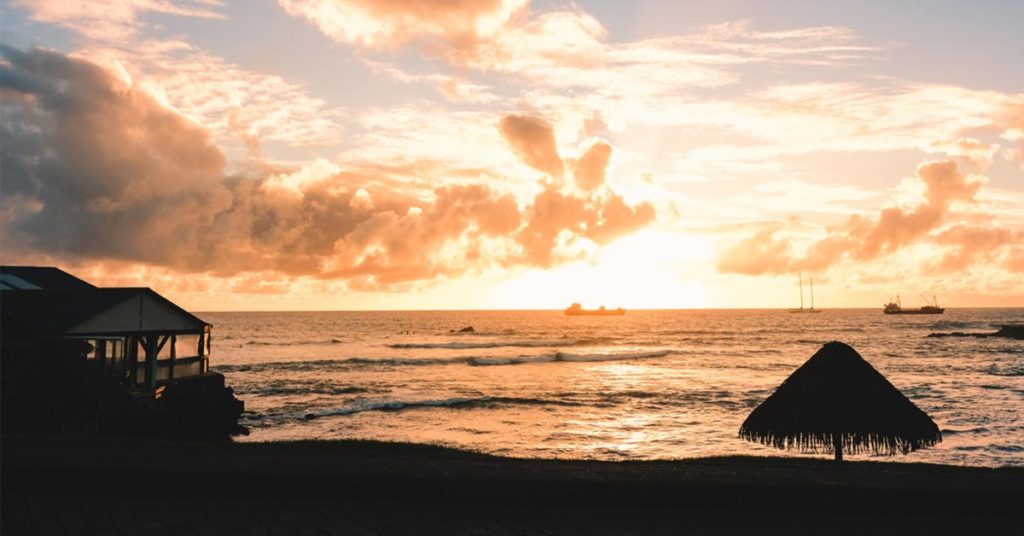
759,253
589,170
615,218
533,140
1013,124
386,23
864,238
235,103
976,152
135,181
112,172
973,244
1015,261
113,20
556,217
454,89
566,49
570,48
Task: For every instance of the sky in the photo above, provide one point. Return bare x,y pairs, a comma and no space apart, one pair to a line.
493,154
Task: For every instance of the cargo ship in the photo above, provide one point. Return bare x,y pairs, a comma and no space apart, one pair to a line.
896,308
578,310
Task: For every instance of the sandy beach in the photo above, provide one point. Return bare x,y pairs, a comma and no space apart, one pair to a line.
118,486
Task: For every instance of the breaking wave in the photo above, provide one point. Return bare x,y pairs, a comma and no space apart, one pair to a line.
552,357
286,342
469,345
362,406
567,357
1006,371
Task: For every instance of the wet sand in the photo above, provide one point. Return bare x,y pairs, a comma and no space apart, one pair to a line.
120,486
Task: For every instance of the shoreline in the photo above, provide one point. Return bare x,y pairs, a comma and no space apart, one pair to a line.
389,477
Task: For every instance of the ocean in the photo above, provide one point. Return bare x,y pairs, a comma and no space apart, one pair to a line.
647,385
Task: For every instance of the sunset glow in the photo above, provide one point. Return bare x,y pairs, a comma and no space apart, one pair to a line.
509,154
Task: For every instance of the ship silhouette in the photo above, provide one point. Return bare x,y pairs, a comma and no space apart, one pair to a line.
578,310
802,309
896,308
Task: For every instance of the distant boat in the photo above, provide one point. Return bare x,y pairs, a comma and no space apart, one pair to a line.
801,309
896,308
577,310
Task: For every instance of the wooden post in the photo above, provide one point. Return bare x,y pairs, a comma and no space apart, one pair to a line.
151,351
131,352
837,444
174,356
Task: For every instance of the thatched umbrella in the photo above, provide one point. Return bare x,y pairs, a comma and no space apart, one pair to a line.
837,402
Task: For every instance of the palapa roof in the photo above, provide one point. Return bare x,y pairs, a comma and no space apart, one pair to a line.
837,392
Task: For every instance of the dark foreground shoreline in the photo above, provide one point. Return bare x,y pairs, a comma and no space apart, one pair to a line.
120,486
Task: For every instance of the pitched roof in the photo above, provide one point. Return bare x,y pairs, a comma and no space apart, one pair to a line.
39,278
96,311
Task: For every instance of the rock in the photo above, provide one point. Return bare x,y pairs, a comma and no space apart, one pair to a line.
202,407
1011,331
1007,331
467,329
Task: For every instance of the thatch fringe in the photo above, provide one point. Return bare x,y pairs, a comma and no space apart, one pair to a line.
822,443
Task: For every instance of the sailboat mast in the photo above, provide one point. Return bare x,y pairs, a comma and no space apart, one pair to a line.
812,293
801,292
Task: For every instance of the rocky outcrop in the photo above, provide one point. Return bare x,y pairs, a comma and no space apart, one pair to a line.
1007,331
198,408
202,408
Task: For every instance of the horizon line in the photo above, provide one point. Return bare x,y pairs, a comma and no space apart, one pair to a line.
647,309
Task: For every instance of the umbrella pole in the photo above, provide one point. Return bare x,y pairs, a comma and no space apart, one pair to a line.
837,444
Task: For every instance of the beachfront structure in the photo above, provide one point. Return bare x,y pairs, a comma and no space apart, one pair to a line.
837,402
134,335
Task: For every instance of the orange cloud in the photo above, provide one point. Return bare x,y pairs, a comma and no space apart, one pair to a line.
533,140
760,253
896,227
135,181
555,217
1015,261
862,238
589,171
973,244
393,22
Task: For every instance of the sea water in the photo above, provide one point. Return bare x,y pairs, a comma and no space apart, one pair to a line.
647,385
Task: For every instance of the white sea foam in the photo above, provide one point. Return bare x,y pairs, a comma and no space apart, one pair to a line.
361,406
611,356
467,345
568,357
514,360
